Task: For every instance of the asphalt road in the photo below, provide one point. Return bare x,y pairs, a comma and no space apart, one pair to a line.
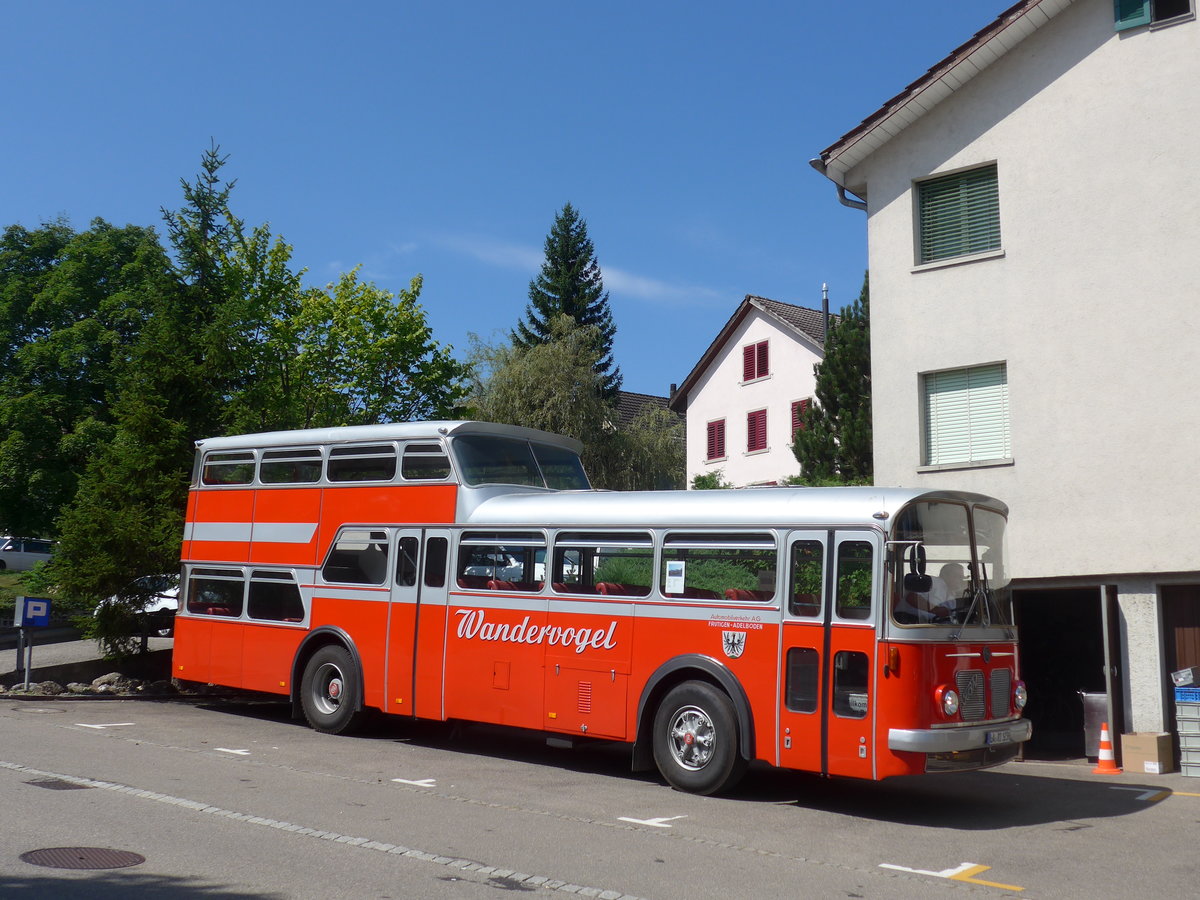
236,800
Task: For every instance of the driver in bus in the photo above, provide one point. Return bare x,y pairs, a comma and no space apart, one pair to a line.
939,601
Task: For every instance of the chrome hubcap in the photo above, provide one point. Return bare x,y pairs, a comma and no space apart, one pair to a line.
327,689
692,738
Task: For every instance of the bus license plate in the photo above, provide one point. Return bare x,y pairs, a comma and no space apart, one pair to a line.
998,737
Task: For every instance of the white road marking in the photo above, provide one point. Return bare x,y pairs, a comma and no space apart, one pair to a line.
653,823
424,782
227,750
109,725
1142,794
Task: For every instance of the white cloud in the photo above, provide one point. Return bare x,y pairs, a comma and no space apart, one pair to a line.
618,281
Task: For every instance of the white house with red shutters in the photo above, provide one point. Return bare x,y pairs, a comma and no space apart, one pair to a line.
744,398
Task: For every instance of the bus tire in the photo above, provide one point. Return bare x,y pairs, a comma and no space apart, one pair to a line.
329,691
696,739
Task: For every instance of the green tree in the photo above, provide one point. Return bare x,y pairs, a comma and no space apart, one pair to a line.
552,385
74,305
570,283
364,355
556,386
833,444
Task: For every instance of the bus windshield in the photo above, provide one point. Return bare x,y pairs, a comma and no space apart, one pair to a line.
944,572
484,459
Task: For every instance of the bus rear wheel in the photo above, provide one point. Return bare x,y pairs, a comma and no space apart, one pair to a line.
696,739
329,692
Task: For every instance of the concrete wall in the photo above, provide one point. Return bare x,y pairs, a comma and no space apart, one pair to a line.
1094,303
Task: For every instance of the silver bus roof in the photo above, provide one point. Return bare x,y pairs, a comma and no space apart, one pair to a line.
403,431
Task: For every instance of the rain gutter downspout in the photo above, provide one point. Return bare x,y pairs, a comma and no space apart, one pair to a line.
855,203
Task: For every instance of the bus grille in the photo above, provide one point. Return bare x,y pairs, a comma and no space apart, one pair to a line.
1001,691
971,695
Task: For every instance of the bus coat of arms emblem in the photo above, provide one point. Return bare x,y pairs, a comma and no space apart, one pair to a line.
733,643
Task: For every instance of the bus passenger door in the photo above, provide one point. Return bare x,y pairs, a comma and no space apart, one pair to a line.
802,649
849,706
404,615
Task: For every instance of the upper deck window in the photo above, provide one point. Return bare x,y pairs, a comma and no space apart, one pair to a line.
368,462
486,459
425,462
233,467
291,466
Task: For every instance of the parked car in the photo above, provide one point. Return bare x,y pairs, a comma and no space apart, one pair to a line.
161,593
21,554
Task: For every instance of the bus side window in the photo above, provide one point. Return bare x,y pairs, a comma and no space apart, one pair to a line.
850,684
803,668
216,592
854,564
357,557
406,562
425,462
437,549
229,468
808,575
275,597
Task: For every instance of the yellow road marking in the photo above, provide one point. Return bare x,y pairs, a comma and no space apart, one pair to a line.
962,872
969,875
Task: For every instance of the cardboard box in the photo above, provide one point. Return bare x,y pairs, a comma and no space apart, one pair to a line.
1186,677
1148,753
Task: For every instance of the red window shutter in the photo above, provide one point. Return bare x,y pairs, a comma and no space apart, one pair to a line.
716,439
799,408
748,360
763,368
756,430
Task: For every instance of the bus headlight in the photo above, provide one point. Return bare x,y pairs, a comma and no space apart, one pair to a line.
1020,696
947,700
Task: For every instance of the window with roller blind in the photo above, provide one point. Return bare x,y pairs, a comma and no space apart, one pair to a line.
965,415
958,215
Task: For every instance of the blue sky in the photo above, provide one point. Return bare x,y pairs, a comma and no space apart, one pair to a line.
441,139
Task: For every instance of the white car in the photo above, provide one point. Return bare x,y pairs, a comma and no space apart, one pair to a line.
21,554
161,593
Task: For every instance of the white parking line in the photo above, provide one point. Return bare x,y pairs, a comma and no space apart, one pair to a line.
653,823
109,725
493,873
424,782
227,750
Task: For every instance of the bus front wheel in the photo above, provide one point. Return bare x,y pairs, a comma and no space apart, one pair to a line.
696,739
329,691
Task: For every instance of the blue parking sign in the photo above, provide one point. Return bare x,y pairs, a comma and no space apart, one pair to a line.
32,612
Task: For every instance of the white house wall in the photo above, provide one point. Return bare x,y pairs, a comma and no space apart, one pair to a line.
1094,305
719,393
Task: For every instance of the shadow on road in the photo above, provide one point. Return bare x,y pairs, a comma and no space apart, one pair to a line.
971,801
119,885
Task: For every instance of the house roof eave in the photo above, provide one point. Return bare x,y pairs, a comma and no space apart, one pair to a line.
942,80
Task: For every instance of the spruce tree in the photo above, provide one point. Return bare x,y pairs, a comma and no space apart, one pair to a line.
570,284
833,444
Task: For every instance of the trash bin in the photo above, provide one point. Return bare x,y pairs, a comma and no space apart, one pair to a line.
1095,712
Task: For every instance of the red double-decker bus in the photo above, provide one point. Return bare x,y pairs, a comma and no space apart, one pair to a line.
465,570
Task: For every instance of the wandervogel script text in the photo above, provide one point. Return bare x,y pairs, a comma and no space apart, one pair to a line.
473,624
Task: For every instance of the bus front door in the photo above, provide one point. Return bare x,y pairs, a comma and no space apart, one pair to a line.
803,647
848,705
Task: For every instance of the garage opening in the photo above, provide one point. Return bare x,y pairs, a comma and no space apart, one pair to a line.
1062,654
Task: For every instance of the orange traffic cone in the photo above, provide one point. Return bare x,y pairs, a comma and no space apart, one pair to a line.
1107,761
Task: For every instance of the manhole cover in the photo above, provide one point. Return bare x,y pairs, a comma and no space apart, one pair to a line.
57,784
82,858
